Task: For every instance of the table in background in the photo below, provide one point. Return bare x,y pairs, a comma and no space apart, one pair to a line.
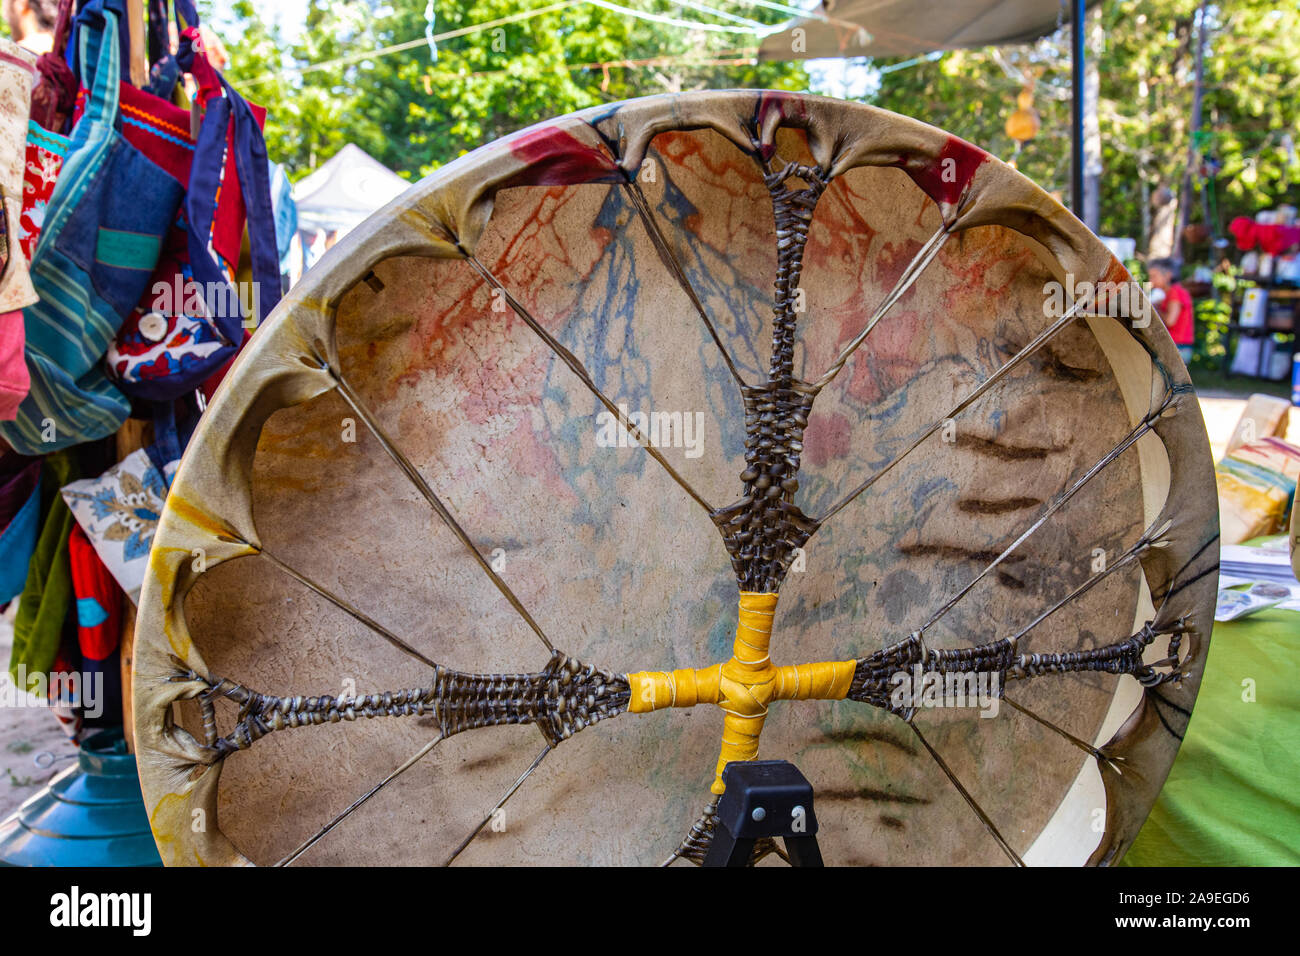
1233,795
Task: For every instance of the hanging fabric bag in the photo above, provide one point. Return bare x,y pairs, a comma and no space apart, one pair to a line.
98,248
193,321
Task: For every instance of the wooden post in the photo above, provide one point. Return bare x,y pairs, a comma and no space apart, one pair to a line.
134,434
1198,92
139,51
1077,56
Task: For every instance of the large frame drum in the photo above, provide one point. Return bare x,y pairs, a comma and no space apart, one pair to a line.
537,447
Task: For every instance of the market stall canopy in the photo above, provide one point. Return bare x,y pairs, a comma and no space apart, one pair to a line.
344,191
906,27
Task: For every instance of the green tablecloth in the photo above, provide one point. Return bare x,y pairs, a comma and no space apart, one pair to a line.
1233,795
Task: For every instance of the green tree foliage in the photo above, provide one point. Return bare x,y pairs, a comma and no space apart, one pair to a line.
1251,110
414,113
972,92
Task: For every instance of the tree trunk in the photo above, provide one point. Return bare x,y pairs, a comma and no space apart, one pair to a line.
1144,242
1091,125
1164,222
1198,90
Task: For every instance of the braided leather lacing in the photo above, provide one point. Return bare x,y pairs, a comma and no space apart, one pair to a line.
564,698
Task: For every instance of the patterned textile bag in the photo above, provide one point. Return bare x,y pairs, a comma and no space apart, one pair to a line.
16,291
169,344
45,155
17,71
64,696
101,239
192,323
119,510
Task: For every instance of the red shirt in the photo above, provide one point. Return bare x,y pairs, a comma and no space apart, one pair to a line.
1183,331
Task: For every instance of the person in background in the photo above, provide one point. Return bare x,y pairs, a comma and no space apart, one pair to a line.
31,23
1176,308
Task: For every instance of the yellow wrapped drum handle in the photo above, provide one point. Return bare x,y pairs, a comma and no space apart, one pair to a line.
744,686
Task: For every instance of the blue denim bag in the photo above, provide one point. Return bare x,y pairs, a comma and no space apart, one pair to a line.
182,348
103,232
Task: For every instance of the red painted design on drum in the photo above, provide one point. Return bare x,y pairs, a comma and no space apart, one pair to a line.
787,107
1116,273
837,253
554,157
732,181
530,452
896,353
946,177
978,277
827,437
893,260
463,337
1114,278
865,380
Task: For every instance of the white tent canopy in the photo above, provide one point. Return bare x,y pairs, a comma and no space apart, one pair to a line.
847,28
344,191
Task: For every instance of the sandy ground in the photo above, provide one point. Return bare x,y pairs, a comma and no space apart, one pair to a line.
24,733
28,731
